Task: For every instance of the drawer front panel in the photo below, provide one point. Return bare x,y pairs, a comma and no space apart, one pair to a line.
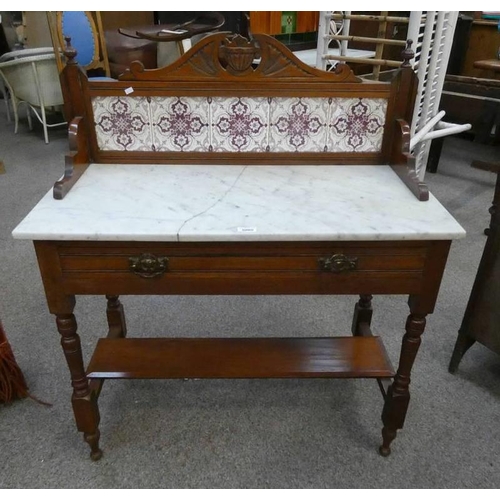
272,268
238,257
121,263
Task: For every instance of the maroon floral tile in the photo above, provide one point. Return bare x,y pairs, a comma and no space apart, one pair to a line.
356,125
298,124
180,123
239,124
122,123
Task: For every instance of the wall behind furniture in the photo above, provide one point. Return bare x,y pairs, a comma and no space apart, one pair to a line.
36,30
115,20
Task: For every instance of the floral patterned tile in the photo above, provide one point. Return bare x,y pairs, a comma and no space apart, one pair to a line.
298,124
122,123
180,123
356,125
239,124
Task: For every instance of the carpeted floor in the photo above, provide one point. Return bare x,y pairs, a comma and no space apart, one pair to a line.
267,433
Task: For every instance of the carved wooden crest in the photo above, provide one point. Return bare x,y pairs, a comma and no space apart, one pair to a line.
238,53
223,56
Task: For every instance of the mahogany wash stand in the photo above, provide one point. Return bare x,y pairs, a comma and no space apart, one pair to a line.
239,170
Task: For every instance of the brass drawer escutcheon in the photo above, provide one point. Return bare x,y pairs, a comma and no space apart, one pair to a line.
338,263
148,265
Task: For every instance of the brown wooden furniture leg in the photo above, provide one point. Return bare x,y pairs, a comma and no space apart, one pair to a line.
116,317
362,313
84,400
398,395
462,345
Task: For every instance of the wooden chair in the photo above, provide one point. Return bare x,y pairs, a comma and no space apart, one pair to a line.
87,36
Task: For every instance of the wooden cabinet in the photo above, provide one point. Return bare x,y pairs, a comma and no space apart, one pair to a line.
484,43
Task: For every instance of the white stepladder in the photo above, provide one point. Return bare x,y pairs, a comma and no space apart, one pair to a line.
432,35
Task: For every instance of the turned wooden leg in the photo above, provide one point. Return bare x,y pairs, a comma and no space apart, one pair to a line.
116,317
84,400
462,345
398,395
93,441
362,313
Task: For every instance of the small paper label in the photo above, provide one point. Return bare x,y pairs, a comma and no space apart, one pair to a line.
247,229
129,90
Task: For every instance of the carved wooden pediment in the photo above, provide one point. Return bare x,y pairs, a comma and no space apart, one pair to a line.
223,56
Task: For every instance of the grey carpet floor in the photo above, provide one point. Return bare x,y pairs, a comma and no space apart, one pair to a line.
246,433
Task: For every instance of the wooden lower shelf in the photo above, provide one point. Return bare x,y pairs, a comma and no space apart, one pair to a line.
151,358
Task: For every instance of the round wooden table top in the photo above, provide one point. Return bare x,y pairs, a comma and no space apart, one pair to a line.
175,32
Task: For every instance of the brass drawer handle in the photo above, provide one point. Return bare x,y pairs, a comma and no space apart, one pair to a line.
148,265
338,263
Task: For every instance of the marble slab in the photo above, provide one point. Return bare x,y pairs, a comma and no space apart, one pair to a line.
238,203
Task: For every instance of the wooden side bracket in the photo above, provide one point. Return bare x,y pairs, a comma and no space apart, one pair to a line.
403,163
76,162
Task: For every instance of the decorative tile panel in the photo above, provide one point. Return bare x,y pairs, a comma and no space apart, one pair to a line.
357,125
239,124
122,123
298,124
180,123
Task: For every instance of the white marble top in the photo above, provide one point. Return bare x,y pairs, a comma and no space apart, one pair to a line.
238,203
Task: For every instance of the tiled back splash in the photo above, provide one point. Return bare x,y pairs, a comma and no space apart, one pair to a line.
239,124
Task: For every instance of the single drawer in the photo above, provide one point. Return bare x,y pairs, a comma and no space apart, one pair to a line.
243,268
155,259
